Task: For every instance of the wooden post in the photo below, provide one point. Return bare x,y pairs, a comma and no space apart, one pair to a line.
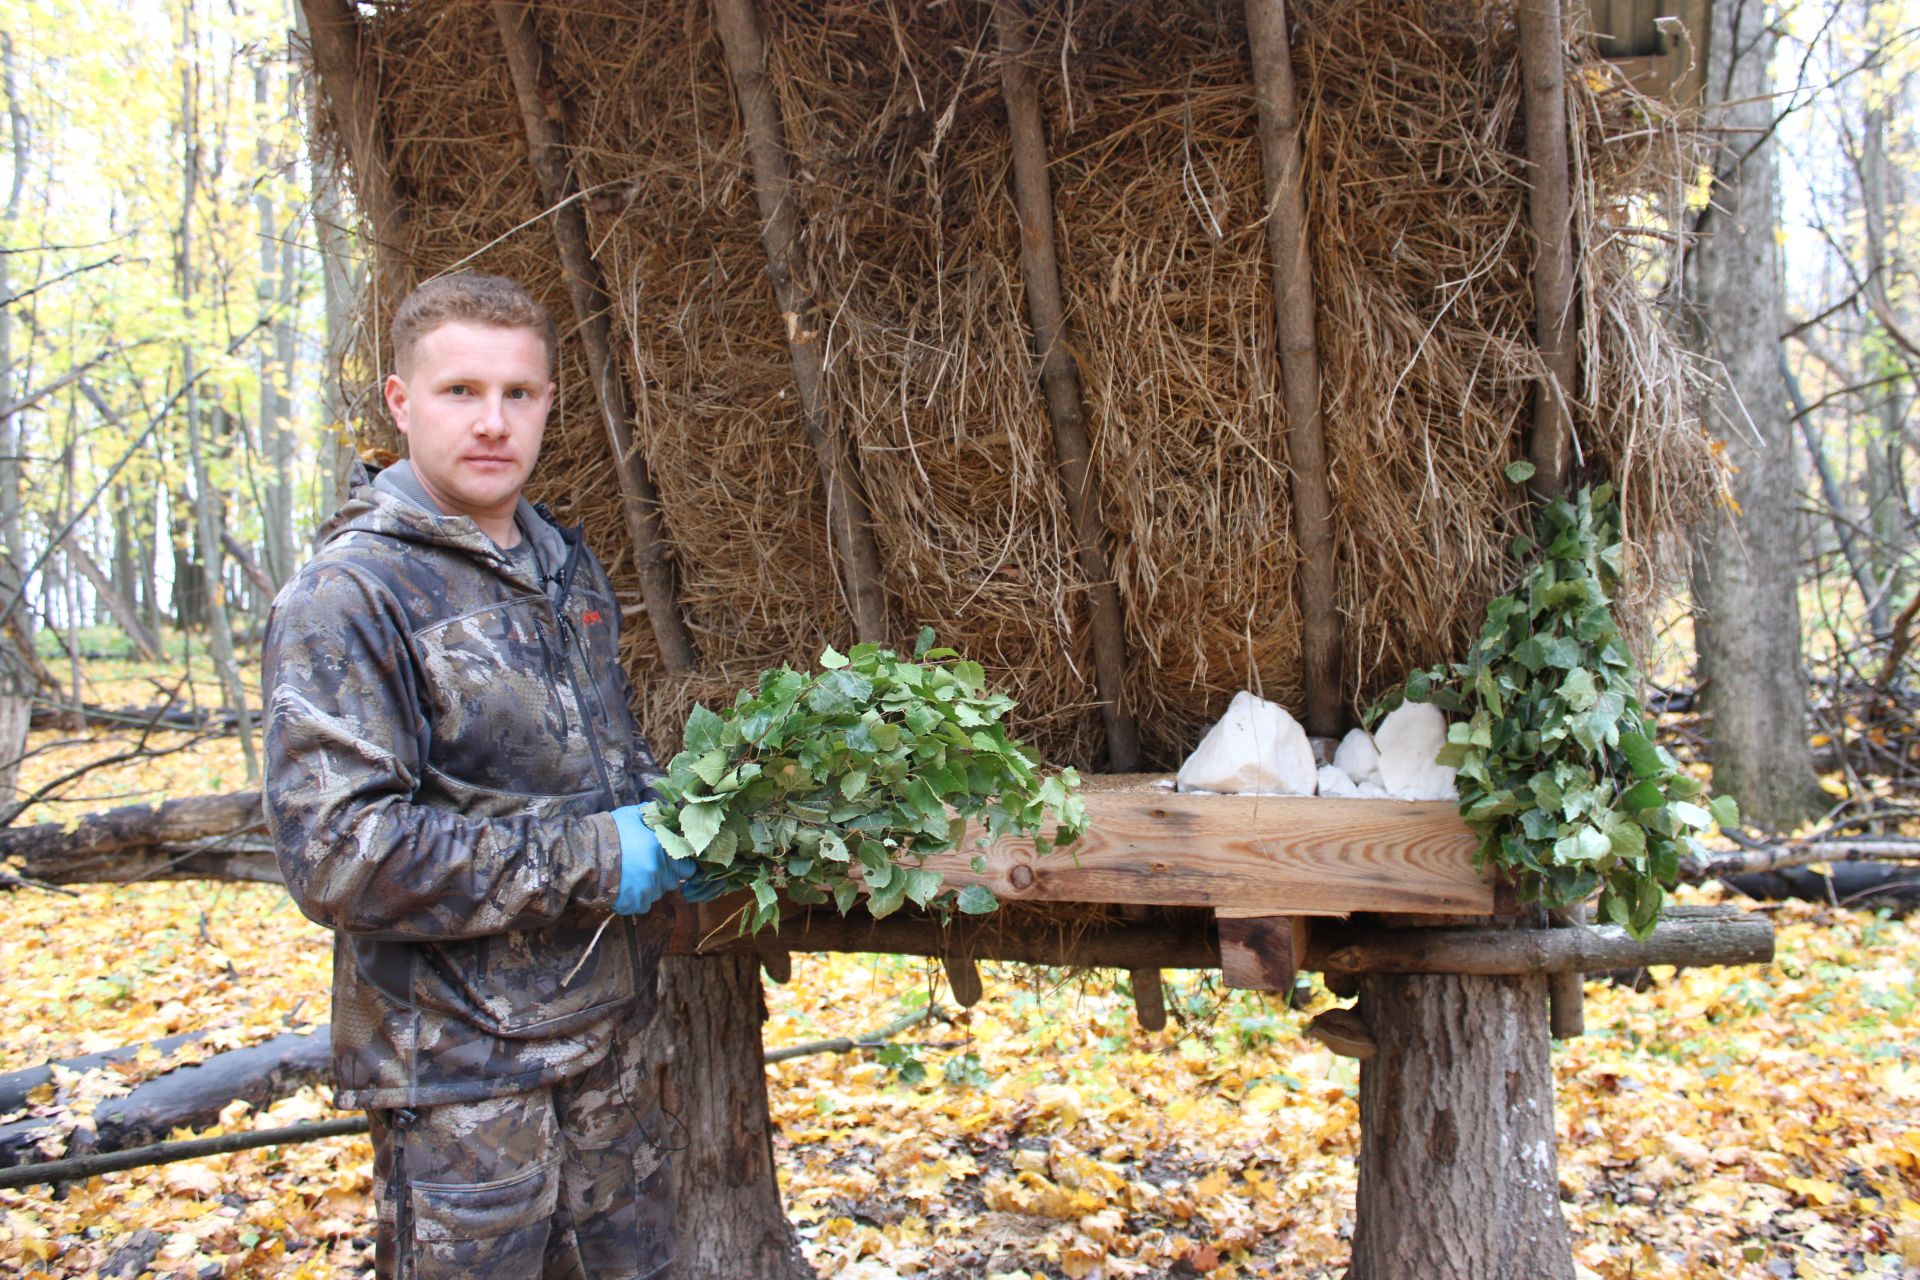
743,35
593,311
333,33
1295,311
1060,382
1457,1170
1543,71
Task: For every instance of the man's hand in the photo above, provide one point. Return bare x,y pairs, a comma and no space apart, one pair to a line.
695,884
647,874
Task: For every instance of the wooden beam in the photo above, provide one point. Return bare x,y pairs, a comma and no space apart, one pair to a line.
1060,383
1184,941
1290,259
1746,939
1300,855
1543,70
743,36
333,35
593,314
1261,950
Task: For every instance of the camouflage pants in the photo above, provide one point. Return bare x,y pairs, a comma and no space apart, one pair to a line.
562,1183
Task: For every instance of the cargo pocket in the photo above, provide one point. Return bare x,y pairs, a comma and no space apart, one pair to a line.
484,1229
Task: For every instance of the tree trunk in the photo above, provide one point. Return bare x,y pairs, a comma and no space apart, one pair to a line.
707,1036
16,662
1747,555
1457,1171
211,510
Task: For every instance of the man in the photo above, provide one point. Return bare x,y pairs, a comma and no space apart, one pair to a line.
453,781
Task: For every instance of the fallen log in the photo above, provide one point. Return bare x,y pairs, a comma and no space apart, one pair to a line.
52,713
16,1085
1758,858
190,1097
1853,884
1687,940
141,841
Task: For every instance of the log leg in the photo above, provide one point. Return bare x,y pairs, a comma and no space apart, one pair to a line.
1457,1170
732,1223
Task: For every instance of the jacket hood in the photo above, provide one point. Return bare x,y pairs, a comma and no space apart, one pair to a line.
383,503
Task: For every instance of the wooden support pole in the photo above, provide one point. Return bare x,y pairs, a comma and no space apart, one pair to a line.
333,33
1060,382
743,35
1149,998
963,975
1295,312
1183,941
1566,992
593,313
1543,71
1746,939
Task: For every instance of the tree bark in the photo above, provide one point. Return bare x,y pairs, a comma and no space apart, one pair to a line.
1457,1166
333,36
1689,941
707,1036
16,665
68,853
1747,555
1060,381
1295,315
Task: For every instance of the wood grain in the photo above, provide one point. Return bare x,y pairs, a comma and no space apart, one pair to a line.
1300,855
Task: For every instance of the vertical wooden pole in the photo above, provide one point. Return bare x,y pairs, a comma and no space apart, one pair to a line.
1543,72
1294,315
333,35
593,310
1060,382
743,35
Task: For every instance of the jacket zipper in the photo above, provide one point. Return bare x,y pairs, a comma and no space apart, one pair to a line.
564,626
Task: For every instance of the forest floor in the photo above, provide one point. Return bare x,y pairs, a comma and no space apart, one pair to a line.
1751,1122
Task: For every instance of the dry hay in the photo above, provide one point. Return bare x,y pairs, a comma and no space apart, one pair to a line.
1416,206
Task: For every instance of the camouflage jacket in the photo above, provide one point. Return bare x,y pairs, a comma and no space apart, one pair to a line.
445,735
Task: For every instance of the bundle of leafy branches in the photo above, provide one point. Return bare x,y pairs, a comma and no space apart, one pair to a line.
1559,773
822,785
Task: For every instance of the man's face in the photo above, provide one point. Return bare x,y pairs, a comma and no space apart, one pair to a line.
473,405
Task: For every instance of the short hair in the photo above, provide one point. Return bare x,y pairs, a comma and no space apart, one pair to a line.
467,296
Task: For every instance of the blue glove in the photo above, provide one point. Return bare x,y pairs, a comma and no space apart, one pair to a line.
646,873
697,886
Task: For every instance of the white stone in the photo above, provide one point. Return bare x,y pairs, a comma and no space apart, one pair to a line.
1357,757
1334,781
1372,791
1409,739
1256,748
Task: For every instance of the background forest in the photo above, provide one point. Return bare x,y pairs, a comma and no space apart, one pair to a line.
177,294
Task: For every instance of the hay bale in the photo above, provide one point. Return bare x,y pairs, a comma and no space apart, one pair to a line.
1416,206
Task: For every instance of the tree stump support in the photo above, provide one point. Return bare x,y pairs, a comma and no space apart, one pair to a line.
1060,383
742,30
593,314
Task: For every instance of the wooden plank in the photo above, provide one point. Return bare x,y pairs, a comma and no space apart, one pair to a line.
1260,951
1302,855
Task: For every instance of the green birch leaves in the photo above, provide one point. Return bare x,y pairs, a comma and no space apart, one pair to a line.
823,786
1559,774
